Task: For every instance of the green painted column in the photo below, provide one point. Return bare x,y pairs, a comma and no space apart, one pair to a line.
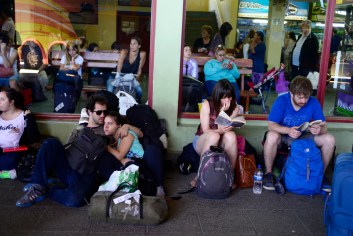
274,36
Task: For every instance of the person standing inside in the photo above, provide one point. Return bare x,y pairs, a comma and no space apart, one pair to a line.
8,27
202,45
305,52
246,44
220,37
257,54
288,49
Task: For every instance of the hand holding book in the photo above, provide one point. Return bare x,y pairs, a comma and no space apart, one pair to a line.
304,126
225,120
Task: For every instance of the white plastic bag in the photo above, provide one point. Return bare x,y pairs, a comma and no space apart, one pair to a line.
125,102
128,175
314,78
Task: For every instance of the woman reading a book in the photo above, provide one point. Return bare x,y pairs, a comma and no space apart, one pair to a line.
12,125
209,133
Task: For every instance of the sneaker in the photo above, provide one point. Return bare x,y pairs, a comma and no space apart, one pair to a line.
35,193
326,185
51,182
160,192
279,188
268,182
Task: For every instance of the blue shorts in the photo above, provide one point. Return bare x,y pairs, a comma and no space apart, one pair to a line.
194,141
4,82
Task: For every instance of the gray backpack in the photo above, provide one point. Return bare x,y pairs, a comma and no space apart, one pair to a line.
215,175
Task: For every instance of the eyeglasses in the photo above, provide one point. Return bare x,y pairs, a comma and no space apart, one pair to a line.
99,112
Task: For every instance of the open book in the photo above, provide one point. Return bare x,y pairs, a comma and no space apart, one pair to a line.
225,120
304,126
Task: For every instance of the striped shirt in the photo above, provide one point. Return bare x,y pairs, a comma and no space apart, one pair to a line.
297,49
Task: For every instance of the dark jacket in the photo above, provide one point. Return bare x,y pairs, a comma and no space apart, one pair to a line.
308,59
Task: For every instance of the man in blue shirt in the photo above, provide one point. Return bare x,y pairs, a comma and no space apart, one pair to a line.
288,112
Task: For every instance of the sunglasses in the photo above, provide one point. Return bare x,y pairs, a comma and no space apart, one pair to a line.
99,112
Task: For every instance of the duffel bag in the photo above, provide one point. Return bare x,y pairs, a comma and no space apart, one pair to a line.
127,208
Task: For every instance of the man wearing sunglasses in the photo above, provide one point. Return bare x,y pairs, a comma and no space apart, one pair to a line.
72,188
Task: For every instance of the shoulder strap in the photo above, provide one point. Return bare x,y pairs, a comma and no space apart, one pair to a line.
110,198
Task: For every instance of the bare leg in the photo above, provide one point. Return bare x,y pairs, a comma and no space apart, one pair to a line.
203,144
229,143
14,85
273,139
326,143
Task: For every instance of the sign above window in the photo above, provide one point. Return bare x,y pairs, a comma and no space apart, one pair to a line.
259,9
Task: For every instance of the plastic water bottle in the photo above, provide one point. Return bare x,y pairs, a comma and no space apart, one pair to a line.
258,175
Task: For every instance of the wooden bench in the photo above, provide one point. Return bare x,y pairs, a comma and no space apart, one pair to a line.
100,59
244,67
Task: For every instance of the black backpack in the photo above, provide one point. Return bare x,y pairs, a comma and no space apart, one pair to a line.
113,100
189,160
146,119
83,153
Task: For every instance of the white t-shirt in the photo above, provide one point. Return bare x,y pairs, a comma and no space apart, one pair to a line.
11,131
78,61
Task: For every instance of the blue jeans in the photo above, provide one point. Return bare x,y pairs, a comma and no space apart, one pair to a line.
111,88
9,161
51,159
209,84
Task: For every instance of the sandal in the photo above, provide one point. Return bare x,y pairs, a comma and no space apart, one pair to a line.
193,182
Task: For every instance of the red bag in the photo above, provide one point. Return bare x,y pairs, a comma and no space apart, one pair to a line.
6,72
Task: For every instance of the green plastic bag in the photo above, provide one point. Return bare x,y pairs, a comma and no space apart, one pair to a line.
129,175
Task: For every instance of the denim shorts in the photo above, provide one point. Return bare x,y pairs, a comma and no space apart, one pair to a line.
194,141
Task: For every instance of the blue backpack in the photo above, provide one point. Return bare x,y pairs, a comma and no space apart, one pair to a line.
339,204
304,169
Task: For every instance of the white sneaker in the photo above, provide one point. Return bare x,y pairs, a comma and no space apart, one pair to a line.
84,117
160,191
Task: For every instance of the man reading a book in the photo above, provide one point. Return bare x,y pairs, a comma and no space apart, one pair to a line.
287,114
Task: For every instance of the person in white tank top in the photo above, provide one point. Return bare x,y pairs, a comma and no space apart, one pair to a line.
12,125
8,59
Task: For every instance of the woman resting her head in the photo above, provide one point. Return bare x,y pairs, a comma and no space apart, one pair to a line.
209,133
12,125
123,149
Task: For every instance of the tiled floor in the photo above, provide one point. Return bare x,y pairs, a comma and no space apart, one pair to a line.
243,213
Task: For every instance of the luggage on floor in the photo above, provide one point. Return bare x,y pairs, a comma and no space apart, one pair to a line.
339,205
192,94
304,169
215,176
127,208
188,161
67,91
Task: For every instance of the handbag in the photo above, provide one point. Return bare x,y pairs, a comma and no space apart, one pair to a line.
6,72
125,102
245,168
314,78
127,208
